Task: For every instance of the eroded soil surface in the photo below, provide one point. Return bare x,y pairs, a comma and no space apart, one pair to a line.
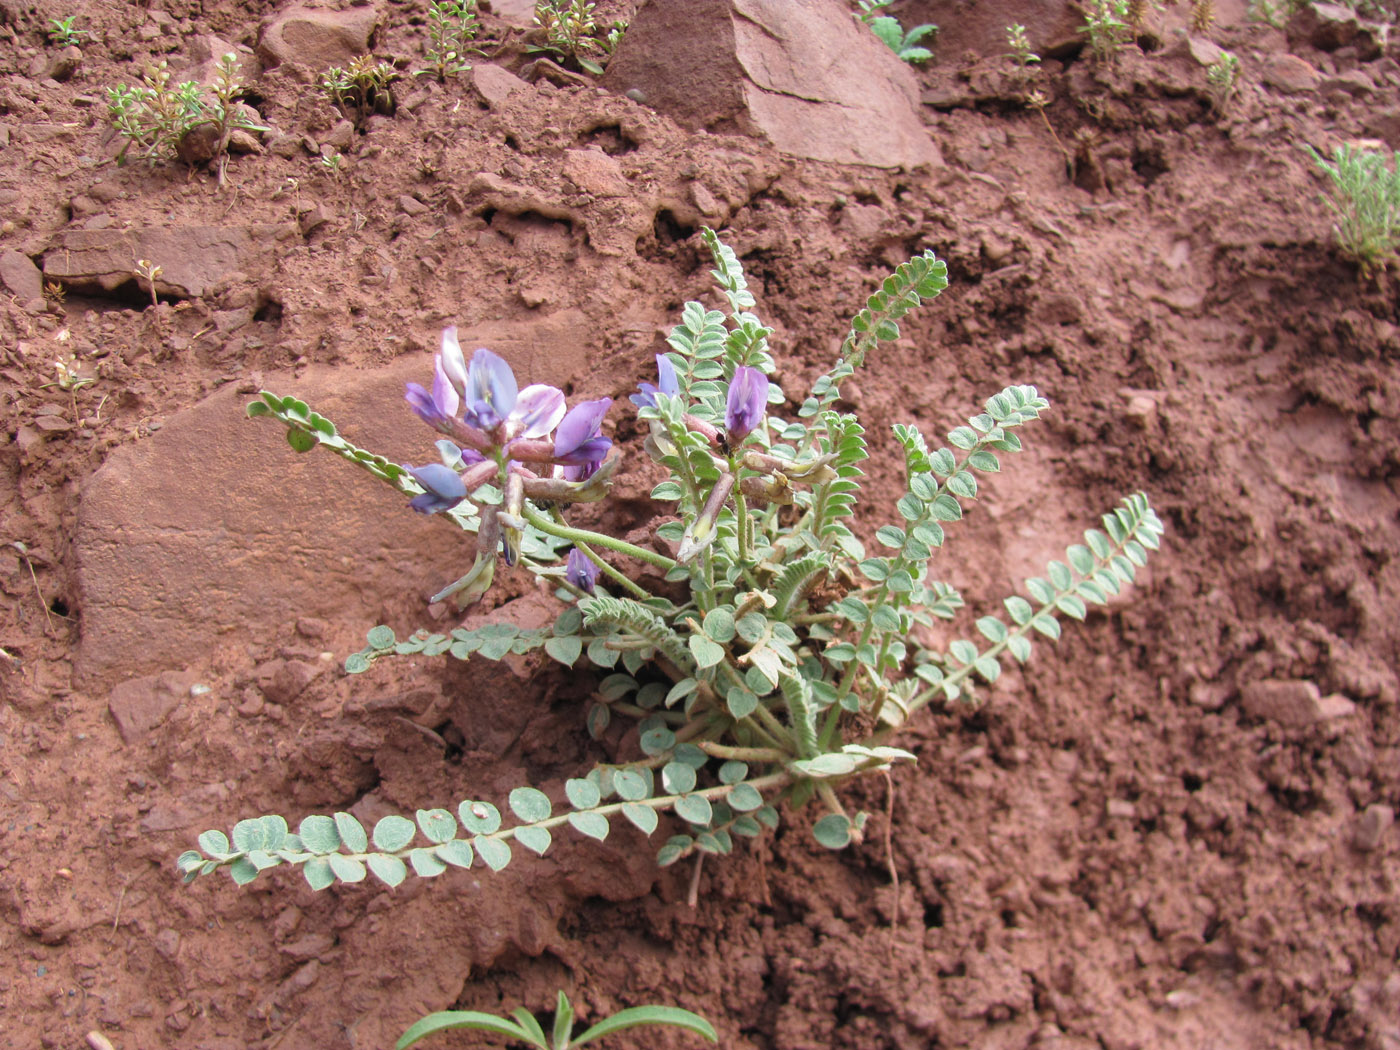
1173,830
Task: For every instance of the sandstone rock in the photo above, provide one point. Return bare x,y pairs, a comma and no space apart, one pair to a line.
190,257
802,73
317,38
138,705
214,532
1325,26
594,172
1288,702
1290,74
495,84
1374,823
1052,26
20,276
282,681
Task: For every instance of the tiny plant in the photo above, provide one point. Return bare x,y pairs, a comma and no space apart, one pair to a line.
362,88
1020,52
765,657
570,32
523,1026
158,116
1107,28
452,26
888,29
148,271
333,164
1366,202
63,32
1222,79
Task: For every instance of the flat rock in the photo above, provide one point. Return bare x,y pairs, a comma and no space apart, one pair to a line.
495,84
138,705
214,532
1052,26
20,276
191,258
316,38
802,73
1290,74
1289,702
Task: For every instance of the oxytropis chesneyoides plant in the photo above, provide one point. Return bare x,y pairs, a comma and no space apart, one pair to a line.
765,657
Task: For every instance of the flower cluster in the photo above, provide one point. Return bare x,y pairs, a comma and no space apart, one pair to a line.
500,434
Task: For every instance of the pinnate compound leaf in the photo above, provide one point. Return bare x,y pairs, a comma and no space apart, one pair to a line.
387,869
346,869
494,852
352,833
630,785
833,831
534,838
594,825
458,853
694,808
319,835
530,804
479,818
393,833
426,862
643,817
582,794
317,872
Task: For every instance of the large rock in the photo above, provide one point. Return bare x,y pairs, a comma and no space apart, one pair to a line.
191,258
803,73
214,532
979,26
19,276
316,38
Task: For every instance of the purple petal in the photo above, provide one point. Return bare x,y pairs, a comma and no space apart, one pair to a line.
746,403
580,425
444,393
422,403
451,362
666,372
444,486
586,453
581,570
538,409
491,390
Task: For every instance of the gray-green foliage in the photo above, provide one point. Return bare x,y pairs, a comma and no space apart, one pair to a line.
363,88
888,29
524,1027
1365,200
1223,76
157,116
787,654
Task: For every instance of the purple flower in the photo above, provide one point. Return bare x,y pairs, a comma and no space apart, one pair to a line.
666,376
581,570
494,404
445,400
444,488
747,401
578,445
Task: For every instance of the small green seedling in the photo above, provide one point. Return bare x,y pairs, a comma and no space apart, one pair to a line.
1366,201
452,26
1223,78
526,1029
572,34
888,29
63,33
1020,46
1107,27
333,164
361,89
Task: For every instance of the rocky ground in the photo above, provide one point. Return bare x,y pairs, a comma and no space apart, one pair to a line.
1173,830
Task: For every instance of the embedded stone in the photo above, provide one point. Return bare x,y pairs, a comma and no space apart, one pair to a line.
138,705
19,274
802,73
1375,821
1288,702
495,84
1290,74
317,38
214,532
593,171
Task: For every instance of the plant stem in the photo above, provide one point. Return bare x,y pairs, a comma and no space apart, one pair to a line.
620,577
576,536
